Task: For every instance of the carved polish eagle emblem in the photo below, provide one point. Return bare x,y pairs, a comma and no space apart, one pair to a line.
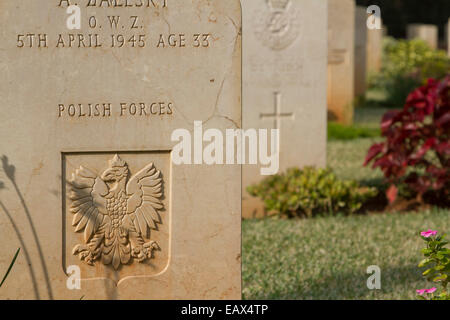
115,213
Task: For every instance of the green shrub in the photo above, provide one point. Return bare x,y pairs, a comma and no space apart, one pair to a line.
408,64
437,262
310,192
337,131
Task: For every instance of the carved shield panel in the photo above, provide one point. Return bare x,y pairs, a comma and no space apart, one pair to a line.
116,213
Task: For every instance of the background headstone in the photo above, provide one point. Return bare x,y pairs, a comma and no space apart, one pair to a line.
101,110
426,32
341,30
284,82
361,47
447,36
375,48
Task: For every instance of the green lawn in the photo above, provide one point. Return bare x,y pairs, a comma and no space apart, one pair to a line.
346,157
327,258
369,117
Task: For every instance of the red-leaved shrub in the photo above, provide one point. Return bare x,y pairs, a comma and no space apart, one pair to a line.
417,148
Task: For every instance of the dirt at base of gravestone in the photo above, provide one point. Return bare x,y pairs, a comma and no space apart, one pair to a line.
380,204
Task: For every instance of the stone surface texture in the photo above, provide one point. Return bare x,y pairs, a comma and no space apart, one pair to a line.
341,44
447,36
375,48
426,32
284,82
85,141
361,47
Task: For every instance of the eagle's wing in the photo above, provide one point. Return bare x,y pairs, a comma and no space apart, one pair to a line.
144,191
87,192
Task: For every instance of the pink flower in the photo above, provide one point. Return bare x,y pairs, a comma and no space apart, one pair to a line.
428,233
421,291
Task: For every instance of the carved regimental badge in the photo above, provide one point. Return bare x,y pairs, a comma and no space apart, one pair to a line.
115,212
277,27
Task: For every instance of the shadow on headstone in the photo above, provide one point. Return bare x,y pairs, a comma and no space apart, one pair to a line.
10,171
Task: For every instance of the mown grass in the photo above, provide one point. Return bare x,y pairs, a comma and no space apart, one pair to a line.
327,257
369,117
347,159
337,131
366,125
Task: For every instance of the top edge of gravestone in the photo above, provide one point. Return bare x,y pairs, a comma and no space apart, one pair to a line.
196,39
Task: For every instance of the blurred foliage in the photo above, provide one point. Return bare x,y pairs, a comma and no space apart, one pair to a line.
309,192
416,149
408,64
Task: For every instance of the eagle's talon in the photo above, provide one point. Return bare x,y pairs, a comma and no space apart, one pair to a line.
138,254
149,247
84,253
145,251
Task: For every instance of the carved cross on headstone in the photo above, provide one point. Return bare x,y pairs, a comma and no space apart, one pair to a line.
277,115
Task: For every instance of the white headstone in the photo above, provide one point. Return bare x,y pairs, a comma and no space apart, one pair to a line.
447,36
375,48
361,47
87,180
425,32
284,82
341,51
